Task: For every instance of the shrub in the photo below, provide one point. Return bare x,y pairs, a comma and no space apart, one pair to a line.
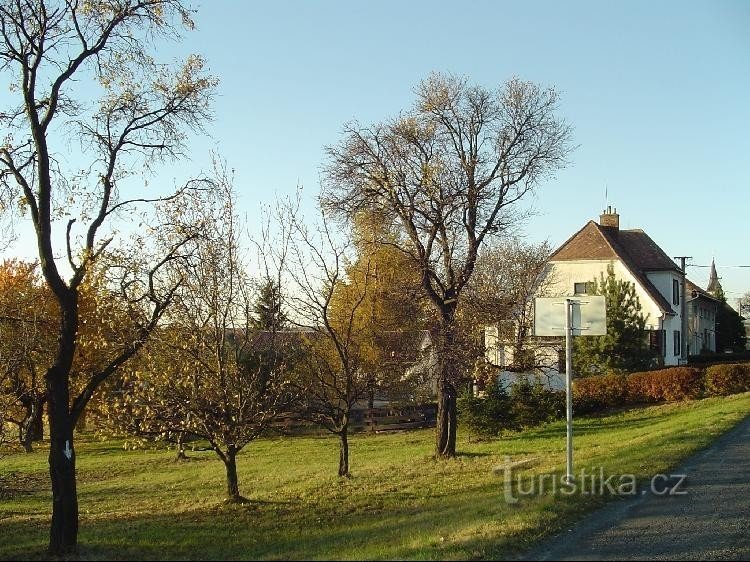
729,378
526,405
597,392
671,384
585,405
486,416
642,388
533,404
529,403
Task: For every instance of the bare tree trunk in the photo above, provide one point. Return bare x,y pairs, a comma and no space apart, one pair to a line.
446,387
446,419
24,428
81,423
233,486
22,439
25,435
31,428
37,426
181,456
62,462
344,451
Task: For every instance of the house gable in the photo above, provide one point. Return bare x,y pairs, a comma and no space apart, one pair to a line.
589,243
637,252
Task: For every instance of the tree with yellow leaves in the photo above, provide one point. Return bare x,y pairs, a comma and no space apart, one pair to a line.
391,318
29,315
137,116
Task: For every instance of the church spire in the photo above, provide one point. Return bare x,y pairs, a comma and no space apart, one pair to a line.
714,286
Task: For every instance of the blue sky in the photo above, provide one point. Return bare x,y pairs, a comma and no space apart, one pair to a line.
657,92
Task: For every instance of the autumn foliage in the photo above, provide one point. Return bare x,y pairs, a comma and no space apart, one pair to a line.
28,318
728,378
664,385
670,385
606,390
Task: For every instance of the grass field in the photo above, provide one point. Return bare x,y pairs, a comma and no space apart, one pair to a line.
400,503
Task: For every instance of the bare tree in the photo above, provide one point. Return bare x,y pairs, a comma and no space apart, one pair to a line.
329,306
507,277
452,172
47,50
743,305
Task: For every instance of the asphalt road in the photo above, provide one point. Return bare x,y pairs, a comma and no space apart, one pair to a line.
710,522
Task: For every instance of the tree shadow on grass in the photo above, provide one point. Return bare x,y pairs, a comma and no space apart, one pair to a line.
472,454
587,426
438,529
477,525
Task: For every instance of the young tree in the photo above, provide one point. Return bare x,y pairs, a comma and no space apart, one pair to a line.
391,317
625,347
208,373
330,307
451,173
267,311
49,49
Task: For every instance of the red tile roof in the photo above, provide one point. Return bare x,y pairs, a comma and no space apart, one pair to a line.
634,248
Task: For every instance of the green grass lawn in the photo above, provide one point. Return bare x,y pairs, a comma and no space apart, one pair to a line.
400,503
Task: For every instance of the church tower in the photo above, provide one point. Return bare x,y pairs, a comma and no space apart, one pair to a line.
714,285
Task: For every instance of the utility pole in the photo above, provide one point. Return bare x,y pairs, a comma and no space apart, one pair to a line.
569,388
683,310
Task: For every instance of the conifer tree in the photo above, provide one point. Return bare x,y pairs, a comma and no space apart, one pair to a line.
267,312
625,346
730,330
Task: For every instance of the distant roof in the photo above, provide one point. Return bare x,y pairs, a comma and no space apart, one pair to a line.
407,346
696,291
265,340
634,248
595,242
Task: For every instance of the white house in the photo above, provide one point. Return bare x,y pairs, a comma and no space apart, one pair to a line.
658,281
702,308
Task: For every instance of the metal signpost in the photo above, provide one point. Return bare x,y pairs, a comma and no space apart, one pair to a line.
573,316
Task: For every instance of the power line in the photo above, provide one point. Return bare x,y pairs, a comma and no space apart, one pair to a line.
696,265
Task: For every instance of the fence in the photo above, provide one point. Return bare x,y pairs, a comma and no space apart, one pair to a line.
392,418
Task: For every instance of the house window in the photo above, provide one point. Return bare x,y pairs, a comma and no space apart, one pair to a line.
677,348
656,340
675,291
583,288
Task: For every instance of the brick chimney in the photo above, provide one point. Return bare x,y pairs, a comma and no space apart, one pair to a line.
610,218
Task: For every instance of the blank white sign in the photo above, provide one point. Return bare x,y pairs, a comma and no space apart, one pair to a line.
589,316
